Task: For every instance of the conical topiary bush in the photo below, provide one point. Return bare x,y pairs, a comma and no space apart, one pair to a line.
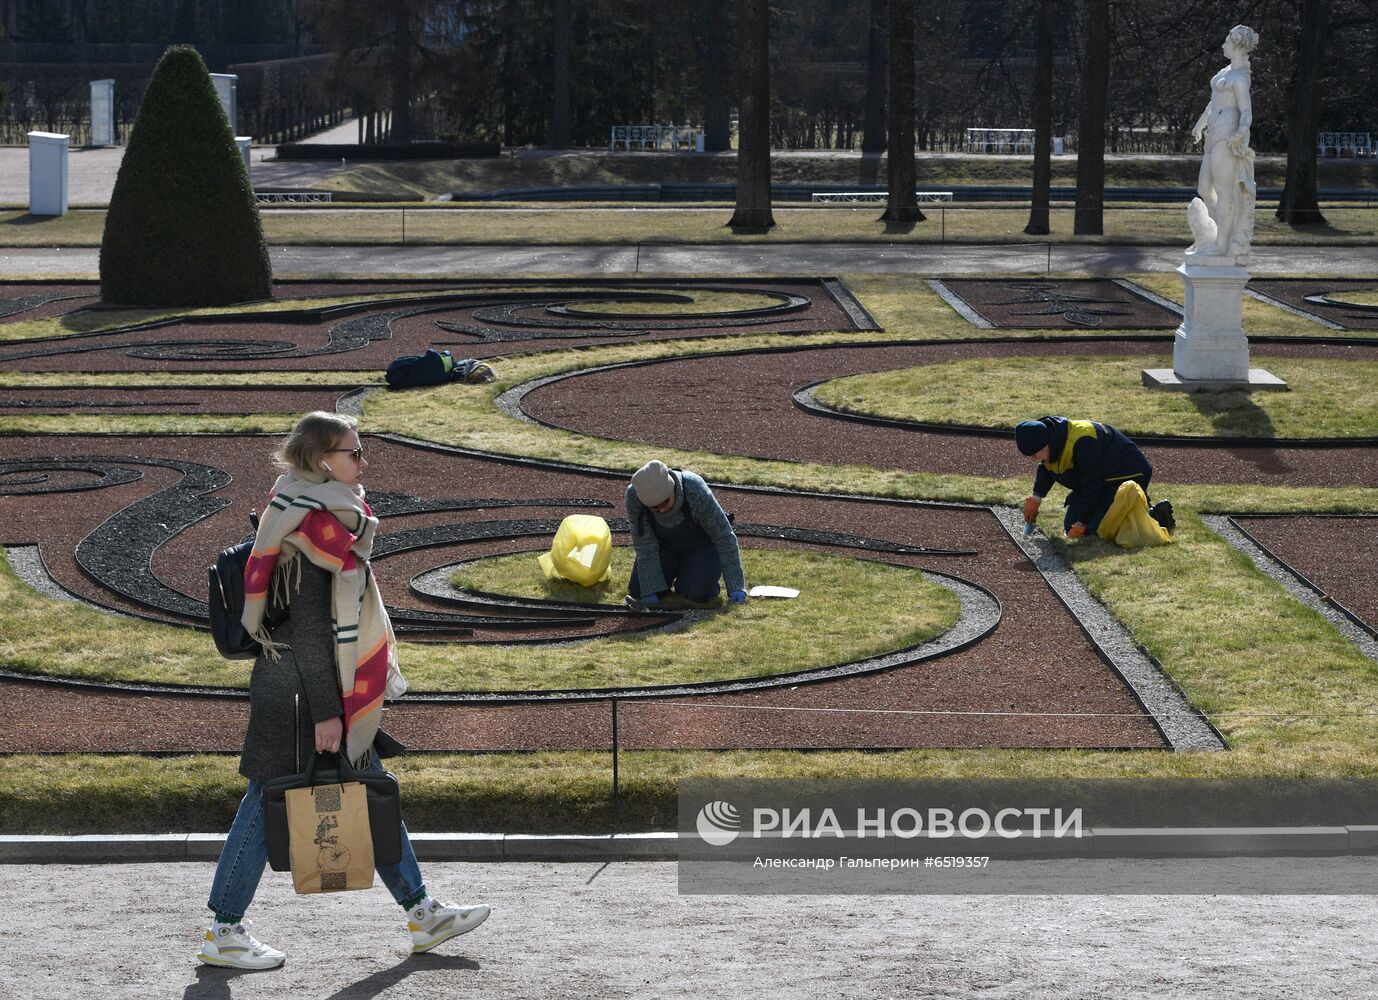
183,228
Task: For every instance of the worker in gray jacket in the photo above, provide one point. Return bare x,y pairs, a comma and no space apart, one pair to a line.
683,539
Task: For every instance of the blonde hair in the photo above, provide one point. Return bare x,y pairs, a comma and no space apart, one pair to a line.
315,434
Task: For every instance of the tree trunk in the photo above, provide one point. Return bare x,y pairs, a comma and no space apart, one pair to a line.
559,112
717,129
1095,84
873,134
901,206
1043,123
753,140
401,71
1300,204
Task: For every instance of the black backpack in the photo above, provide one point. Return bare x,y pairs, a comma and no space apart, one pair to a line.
225,601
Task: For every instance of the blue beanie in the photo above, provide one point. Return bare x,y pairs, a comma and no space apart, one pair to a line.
1030,436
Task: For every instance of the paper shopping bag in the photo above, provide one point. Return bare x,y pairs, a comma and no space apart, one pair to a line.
332,848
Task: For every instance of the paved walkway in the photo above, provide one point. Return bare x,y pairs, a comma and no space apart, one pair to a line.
91,173
777,259
580,930
344,134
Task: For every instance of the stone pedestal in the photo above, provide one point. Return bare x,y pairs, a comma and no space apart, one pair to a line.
245,144
48,173
1210,343
1210,351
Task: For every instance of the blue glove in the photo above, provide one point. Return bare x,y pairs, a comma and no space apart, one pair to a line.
737,597
650,600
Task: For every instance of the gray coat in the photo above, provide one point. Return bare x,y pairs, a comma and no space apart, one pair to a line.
303,678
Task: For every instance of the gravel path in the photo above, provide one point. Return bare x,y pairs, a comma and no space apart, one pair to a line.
773,258
566,931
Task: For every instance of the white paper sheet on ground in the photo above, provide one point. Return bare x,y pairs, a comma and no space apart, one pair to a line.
764,591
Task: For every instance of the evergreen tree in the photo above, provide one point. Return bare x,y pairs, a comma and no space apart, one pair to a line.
183,228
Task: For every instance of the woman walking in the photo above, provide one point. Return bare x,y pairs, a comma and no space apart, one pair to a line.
320,681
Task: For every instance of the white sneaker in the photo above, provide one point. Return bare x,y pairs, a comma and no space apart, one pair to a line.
231,946
432,922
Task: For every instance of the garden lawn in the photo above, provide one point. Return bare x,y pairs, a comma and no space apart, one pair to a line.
849,609
1328,399
458,225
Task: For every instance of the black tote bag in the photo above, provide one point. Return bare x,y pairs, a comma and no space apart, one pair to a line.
384,808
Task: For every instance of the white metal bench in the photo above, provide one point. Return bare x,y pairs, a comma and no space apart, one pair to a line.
1000,140
656,137
302,197
873,197
1336,143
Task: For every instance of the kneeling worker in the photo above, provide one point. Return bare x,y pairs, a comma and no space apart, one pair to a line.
682,538
1090,459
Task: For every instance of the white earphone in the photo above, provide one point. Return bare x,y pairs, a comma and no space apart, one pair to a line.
327,468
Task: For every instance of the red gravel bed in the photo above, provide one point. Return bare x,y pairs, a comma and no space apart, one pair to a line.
1070,305
109,351
742,405
1036,661
222,399
1293,291
1337,554
88,292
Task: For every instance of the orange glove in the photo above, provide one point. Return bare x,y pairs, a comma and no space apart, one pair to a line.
1076,530
1031,505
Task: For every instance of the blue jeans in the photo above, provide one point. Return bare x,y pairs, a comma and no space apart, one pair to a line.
693,574
245,855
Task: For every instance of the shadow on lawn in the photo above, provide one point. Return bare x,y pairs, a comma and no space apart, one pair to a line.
1234,414
30,220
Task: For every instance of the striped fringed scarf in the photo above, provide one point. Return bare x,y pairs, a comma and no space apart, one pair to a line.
306,518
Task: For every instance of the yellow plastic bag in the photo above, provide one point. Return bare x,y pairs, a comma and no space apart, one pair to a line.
1127,523
581,551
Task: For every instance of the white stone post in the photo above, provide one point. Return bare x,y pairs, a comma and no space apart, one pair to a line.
102,112
226,87
48,173
244,143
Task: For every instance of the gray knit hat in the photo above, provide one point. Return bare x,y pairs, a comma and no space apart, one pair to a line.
653,483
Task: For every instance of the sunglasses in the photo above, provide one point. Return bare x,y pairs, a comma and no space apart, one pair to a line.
356,453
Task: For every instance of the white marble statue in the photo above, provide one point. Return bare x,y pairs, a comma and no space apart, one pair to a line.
1226,183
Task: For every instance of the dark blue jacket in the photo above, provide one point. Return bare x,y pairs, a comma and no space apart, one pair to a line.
1099,459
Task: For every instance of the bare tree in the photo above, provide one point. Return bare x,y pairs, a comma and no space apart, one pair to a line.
901,205
1300,204
559,111
753,134
717,130
873,132
400,69
1095,86
1042,122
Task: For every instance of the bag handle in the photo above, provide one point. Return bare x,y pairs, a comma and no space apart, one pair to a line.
342,766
